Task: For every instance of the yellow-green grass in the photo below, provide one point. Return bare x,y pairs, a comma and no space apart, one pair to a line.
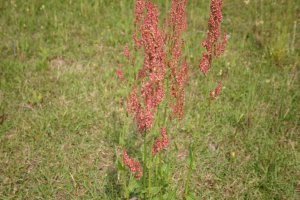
62,107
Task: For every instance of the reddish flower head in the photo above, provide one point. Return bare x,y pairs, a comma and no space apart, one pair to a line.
205,63
151,75
139,10
133,165
215,94
126,52
177,65
211,43
160,144
119,73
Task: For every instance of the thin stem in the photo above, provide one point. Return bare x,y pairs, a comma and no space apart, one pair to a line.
149,180
191,157
160,163
186,190
156,169
150,160
145,162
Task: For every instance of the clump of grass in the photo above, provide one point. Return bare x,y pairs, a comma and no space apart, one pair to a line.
64,145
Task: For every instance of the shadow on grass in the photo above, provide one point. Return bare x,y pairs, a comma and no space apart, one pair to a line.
112,187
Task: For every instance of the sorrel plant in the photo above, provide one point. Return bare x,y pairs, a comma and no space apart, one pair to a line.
157,92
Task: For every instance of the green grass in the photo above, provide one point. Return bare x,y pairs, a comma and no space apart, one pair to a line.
61,105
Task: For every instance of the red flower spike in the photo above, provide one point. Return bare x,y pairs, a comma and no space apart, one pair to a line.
205,63
218,89
177,67
133,104
160,144
211,43
215,94
178,17
165,141
119,73
139,10
126,52
133,165
152,73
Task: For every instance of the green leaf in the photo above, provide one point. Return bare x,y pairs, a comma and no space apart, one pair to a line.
120,165
148,164
154,190
191,153
170,195
164,168
156,198
133,184
121,141
176,146
190,197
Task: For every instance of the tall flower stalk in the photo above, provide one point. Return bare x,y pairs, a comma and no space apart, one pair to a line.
158,88
214,47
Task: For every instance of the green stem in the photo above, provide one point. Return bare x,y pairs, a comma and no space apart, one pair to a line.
125,185
160,164
149,181
145,162
187,183
186,190
160,173
156,171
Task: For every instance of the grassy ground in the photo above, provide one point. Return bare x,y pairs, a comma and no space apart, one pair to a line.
61,104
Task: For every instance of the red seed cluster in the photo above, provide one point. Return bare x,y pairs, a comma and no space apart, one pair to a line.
151,75
178,16
119,73
177,91
133,165
139,10
215,94
205,63
160,144
144,100
212,44
140,6
126,52
143,116
178,68
220,48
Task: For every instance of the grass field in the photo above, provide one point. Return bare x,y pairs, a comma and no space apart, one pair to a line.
62,106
